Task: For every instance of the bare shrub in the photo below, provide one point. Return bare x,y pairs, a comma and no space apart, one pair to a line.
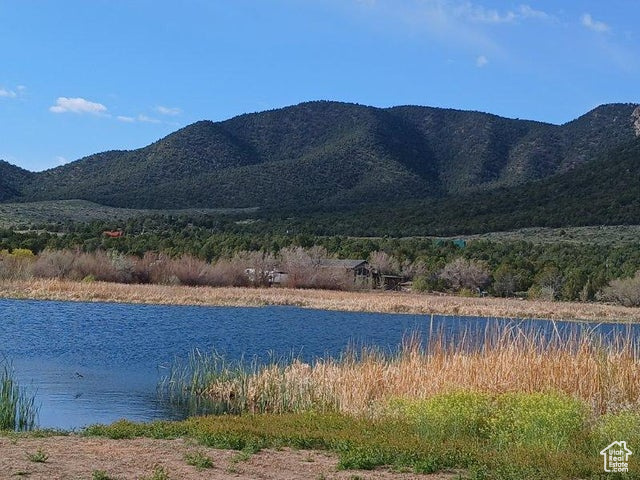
54,264
305,269
16,267
299,265
625,291
384,263
229,273
191,271
462,273
153,268
257,266
102,266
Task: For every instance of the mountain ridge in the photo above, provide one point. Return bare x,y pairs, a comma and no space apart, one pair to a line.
323,154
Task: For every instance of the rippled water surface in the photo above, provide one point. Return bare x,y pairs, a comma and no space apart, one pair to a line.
98,362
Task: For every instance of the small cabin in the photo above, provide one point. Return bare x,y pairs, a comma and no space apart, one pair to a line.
360,269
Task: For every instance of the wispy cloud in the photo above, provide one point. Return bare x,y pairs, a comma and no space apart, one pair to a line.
525,11
61,160
77,105
168,110
6,93
479,14
146,119
597,26
123,118
464,23
466,11
482,61
12,93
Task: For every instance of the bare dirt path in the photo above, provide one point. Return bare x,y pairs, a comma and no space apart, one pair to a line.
74,458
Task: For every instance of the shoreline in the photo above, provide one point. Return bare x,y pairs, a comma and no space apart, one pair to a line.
368,301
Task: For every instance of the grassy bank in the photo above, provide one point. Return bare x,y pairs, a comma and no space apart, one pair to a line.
474,435
374,301
518,406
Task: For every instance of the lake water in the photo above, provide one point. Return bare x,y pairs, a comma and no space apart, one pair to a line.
97,362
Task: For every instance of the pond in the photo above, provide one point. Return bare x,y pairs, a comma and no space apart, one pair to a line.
98,362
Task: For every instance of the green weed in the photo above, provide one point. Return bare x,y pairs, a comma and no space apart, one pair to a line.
101,475
199,460
159,473
39,456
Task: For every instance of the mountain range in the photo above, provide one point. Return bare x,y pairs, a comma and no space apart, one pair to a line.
338,157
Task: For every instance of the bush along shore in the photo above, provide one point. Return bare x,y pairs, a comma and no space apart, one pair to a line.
566,272
515,405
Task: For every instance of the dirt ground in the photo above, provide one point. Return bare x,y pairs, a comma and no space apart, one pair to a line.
74,457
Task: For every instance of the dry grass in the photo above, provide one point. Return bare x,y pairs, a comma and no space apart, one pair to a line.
377,301
605,376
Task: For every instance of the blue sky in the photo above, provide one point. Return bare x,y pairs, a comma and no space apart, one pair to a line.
83,76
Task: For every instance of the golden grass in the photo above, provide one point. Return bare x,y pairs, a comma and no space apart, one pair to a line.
370,301
606,377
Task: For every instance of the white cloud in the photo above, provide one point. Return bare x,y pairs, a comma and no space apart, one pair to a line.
479,14
168,110
123,118
77,105
597,26
146,119
6,93
525,11
481,61
61,160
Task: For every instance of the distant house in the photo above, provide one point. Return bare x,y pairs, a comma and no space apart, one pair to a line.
272,277
278,278
113,233
360,269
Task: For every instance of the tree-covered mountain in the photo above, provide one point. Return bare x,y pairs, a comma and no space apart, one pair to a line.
329,153
605,191
12,180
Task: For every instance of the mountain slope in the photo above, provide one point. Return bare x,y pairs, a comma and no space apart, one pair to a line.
605,191
12,180
324,154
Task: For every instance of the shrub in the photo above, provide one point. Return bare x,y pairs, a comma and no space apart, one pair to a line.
541,420
625,291
618,426
191,271
384,263
54,264
18,267
462,273
448,416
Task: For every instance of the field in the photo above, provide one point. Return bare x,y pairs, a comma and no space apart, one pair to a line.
65,211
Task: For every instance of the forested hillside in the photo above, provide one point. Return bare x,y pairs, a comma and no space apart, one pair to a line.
329,154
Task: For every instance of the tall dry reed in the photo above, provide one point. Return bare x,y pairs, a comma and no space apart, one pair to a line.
605,373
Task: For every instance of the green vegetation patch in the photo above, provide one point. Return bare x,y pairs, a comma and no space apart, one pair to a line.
509,436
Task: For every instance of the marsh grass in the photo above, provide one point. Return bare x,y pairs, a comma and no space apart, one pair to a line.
604,373
18,410
375,301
